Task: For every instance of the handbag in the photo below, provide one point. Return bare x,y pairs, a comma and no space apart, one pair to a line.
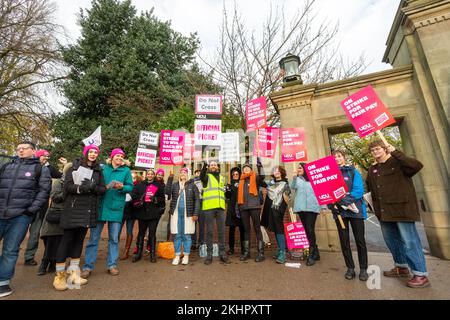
53,216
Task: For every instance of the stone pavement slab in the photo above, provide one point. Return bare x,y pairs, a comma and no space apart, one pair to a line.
237,280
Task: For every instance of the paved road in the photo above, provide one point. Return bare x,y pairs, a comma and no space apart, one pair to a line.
374,238
237,280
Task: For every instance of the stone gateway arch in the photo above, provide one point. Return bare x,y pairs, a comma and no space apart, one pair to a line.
416,91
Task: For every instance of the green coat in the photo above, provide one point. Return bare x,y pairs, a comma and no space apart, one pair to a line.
113,202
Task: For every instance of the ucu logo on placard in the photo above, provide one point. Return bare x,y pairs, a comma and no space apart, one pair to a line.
166,158
365,127
324,196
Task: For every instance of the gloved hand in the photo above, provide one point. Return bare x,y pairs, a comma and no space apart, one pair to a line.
88,186
153,199
346,200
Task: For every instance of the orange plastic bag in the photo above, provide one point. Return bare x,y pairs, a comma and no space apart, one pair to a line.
166,250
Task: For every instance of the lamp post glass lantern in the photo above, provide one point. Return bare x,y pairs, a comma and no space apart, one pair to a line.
290,64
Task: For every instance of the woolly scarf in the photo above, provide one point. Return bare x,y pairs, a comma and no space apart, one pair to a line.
275,193
253,189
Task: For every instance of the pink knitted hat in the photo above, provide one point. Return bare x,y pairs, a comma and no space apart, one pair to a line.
116,152
89,147
41,153
185,170
160,171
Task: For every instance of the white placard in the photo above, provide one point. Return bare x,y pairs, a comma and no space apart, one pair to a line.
95,138
229,148
208,104
149,138
207,132
145,158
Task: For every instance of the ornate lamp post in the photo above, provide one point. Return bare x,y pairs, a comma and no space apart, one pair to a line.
290,64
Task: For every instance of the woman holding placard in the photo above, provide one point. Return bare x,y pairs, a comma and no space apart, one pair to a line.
149,202
307,207
353,212
275,206
81,205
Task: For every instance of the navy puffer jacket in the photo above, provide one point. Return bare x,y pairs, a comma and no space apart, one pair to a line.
21,192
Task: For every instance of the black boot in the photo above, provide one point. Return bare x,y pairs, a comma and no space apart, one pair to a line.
260,256
43,267
313,256
363,276
350,274
140,246
246,254
52,266
208,259
153,250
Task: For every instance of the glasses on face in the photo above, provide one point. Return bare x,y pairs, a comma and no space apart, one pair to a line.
22,148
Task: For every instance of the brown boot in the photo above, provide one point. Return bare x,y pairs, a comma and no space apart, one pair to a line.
126,250
397,272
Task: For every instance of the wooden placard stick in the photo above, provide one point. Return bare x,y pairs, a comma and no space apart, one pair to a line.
341,221
381,135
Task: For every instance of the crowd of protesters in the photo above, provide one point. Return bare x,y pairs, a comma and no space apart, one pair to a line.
52,205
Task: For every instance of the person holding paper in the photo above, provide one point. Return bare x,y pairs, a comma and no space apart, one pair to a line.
118,181
233,217
395,203
81,204
213,206
275,206
250,207
184,208
353,212
149,198
307,208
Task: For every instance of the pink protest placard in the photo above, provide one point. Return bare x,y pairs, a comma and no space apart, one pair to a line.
266,144
295,236
293,146
255,113
171,147
326,180
366,111
150,192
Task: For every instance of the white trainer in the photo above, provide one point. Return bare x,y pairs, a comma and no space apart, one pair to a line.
185,259
176,260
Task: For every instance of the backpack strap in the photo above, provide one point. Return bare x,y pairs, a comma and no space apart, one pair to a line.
37,171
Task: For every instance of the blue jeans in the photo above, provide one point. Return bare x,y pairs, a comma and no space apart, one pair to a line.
403,241
129,223
113,245
181,238
12,232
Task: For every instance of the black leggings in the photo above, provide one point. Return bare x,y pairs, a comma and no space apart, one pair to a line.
344,237
245,217
71,244
309,223
151,225
231,233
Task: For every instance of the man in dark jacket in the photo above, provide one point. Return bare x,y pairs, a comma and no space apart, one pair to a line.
394,198
24,189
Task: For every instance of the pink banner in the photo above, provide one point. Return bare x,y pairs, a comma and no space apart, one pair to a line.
295,236
171,147
266,143
293,146
150,192
326,180
366,112
255,114
191,152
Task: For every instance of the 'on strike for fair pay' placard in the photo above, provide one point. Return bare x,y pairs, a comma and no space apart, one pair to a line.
366,112
326,180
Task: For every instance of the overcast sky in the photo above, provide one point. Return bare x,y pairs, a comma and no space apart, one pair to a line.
363,24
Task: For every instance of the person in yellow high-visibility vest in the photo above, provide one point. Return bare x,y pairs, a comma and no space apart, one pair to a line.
213,206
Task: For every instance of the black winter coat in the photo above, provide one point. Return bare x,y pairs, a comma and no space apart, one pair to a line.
231,193
154,209
192,197
81,209
21,192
